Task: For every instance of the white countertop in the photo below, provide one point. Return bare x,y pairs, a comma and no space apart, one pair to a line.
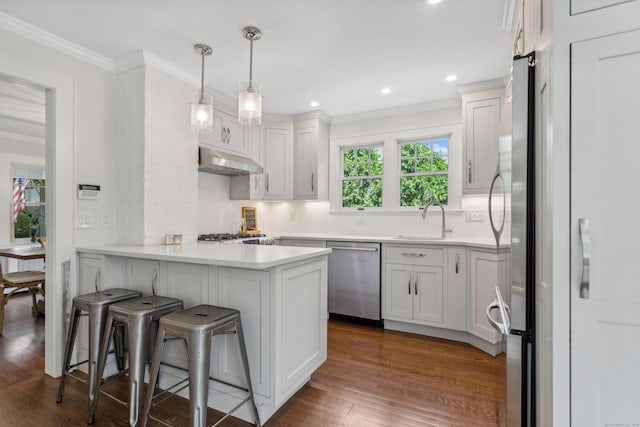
482,243
258,257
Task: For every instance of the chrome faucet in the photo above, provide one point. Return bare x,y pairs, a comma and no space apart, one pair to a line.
434,203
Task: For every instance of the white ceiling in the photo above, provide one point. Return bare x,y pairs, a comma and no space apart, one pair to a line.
337,52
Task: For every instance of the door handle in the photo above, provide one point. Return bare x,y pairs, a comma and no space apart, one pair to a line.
409,283
457,263
255,180
497,232
312,176
469,171
503,327
267,183
585,239
347,248
415,285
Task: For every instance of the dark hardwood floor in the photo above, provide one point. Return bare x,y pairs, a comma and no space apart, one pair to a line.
371,378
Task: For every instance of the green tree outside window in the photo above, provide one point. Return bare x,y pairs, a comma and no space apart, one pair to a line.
362,177
424,172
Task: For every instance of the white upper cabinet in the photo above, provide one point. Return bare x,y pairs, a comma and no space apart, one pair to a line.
276,155
228,134
480,132
311,160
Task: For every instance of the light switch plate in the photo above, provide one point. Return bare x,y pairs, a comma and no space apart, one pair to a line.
474,216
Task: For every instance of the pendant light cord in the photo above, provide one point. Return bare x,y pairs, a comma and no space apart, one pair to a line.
251,62
202,79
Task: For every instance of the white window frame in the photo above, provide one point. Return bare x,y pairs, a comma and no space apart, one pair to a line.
32,170
400,175
391,170
378,144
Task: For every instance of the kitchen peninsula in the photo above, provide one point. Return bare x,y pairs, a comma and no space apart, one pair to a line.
281,293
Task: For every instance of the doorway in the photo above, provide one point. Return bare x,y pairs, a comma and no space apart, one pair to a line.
59,158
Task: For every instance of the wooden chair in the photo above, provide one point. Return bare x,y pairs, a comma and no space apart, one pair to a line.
33,280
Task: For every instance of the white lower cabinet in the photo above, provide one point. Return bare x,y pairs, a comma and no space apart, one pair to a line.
249,292
455,313
414,293
487,270
414,284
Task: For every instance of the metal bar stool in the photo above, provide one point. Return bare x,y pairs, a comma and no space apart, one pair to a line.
196,326
95,305
139,316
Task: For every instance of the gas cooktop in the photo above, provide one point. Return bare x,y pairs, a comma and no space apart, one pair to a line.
216,237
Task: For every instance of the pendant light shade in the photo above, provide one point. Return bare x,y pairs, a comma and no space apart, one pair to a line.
202,105
250,92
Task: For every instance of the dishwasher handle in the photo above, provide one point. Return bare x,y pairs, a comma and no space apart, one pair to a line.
344,248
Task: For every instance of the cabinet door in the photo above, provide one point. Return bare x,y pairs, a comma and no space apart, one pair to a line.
90,274
248,291
398,291
142,275
428,295
234,134
254,152
303,327
227,134
605,324
305,165
277,164
455,310
481,128
189,282
487,270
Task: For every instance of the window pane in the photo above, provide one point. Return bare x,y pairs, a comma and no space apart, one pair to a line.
362,169
349,156
359,193
349,169
363,155
415,189
407,166
407,150
423,164
423,149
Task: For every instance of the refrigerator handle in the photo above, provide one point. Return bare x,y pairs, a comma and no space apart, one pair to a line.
503,327
497,232
585,239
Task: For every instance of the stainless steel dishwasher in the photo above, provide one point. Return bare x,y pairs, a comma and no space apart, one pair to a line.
354,280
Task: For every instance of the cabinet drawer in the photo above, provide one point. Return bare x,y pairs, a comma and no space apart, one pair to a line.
417,255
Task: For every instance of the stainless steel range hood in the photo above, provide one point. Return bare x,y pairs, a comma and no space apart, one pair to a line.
221,163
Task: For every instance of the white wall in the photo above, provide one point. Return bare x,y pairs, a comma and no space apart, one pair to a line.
93,128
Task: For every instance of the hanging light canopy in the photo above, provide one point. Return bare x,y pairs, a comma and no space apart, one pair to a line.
250,93
202,105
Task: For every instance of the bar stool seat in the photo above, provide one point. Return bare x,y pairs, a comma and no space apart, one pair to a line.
196,326
139,317
94,305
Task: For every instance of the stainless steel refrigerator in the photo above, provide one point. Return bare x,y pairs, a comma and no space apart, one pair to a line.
516,318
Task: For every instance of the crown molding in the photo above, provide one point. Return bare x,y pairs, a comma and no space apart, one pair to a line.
397,111
482,86
28,31
310,115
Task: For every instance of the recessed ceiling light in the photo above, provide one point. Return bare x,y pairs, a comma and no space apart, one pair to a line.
385,91
451,78
433,1
314,103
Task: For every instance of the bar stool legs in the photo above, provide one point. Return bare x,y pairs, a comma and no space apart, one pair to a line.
95,305
138,316
197,325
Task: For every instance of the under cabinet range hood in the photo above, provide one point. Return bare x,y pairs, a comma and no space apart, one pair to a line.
221,163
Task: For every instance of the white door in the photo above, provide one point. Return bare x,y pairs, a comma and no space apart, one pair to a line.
605,326
428,294
277,165
305,164
398,291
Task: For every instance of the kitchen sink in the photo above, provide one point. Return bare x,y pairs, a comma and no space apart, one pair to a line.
424,238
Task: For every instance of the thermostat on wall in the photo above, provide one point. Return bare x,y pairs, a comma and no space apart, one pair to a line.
88,191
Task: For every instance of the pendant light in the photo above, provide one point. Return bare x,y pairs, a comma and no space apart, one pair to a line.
202,105
250,93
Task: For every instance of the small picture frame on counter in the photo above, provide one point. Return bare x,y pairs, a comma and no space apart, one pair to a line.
249,219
